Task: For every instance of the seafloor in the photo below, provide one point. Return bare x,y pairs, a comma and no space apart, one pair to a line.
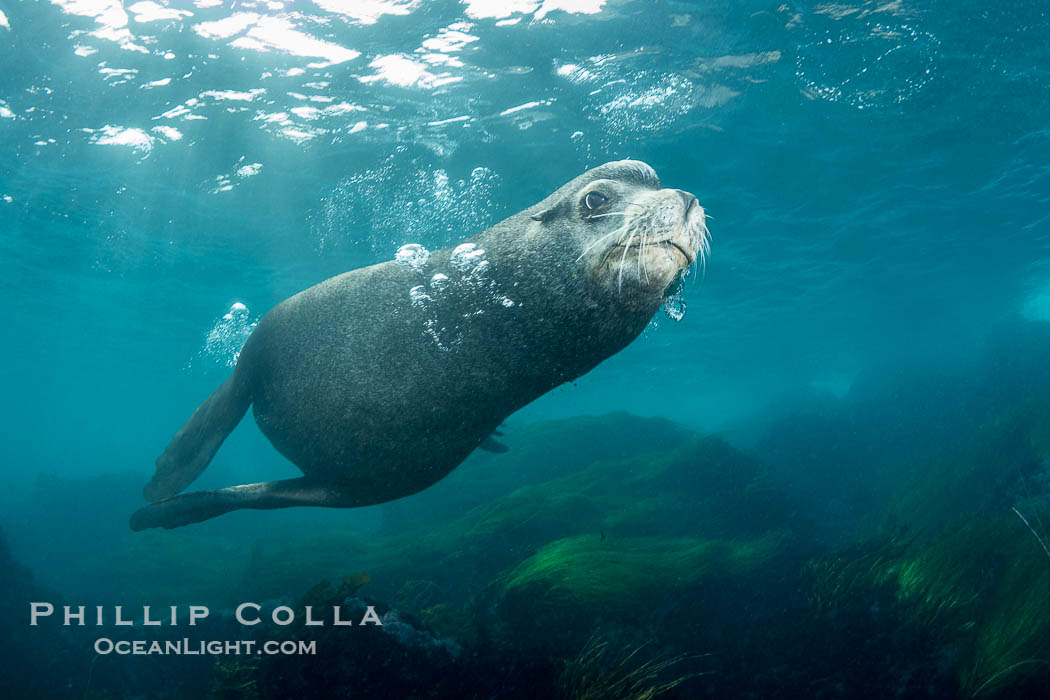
889,543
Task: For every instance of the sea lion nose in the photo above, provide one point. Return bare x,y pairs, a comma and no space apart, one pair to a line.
689,200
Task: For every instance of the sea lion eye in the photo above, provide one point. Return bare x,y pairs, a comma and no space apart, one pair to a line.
593,200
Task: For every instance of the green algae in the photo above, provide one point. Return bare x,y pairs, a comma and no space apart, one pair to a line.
1012,632
603,672
235,679
616,572
982,586
961,550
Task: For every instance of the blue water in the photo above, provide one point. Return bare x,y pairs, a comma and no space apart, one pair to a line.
877,176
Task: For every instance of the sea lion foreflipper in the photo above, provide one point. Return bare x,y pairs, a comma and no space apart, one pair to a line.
493,445
203,505
192,448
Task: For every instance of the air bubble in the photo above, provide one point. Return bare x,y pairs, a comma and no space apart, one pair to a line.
466,256
418,295
453,300
674,307
413,255
226,337
390,204
439,282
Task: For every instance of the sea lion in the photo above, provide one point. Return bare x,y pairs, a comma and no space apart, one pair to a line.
378,382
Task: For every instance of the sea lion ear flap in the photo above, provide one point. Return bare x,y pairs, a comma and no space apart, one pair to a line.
549,213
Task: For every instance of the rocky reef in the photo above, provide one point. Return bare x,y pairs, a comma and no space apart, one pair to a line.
868,546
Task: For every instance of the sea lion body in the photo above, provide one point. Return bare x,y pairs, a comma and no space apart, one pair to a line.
336,392
378,382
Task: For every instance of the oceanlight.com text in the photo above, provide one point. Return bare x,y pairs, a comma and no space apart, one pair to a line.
190,647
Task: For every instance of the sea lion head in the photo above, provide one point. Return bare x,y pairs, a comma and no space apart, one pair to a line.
632,236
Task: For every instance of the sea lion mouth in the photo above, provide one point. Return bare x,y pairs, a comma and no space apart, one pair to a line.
666,244
690,257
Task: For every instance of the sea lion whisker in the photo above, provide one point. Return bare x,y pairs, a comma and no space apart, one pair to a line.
642,264
586,250
623,258
642,223
641,245
612,213
638,258
703,248
702,251
645,266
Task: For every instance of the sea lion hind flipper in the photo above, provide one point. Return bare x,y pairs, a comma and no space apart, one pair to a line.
193,447
198,506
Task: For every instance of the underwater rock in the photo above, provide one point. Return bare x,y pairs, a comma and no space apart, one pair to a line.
325,595
399,659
